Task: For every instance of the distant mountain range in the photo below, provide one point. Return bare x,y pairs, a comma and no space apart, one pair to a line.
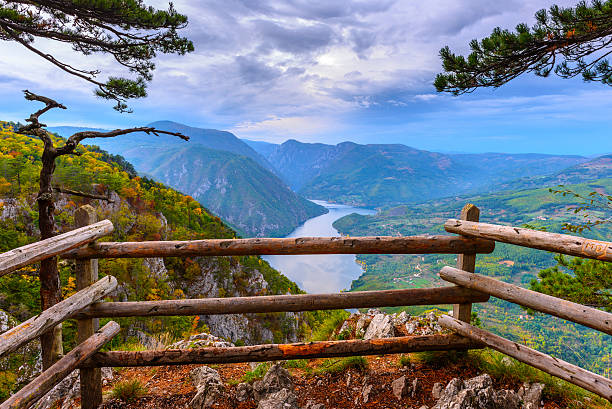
220,171
380,175
259,187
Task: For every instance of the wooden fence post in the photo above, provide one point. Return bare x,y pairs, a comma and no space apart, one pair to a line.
466,262
86,274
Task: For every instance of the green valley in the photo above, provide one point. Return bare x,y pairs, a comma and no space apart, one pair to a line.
538,208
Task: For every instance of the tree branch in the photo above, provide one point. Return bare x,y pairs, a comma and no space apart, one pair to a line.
81,194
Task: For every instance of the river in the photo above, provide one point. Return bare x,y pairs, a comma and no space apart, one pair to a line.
321,273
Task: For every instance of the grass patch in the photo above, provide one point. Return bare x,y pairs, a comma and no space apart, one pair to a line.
325,329
331,366
296,363
432,358
555,389
128,391
256,374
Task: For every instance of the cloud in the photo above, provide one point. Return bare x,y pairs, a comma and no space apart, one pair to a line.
276,66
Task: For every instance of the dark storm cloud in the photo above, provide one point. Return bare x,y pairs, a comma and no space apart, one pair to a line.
296,40
253,71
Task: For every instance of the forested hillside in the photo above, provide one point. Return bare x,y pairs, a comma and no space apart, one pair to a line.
218,170
538,208
140,209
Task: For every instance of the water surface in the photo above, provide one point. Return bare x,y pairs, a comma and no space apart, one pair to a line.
321,273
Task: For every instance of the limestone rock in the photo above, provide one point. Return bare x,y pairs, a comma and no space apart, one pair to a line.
437,389
276,379
475,393
244,392
531,395
283,399
208,386
381,326
401,387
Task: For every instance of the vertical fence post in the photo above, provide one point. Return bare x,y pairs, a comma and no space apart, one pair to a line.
86,274
466,262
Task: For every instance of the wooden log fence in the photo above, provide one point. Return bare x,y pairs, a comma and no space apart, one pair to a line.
86,272
556,367
560,243
276,352
286,246
15,337
32,253
581,314
62,368
467,262
285,303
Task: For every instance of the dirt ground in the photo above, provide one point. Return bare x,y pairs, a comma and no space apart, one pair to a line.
171,387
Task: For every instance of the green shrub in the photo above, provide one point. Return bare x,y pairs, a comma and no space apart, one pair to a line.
128,391
257,373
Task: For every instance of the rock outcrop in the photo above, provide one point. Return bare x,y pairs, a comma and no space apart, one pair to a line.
208,387
479,393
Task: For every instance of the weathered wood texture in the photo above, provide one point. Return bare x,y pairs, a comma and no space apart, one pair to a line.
32,328
302,245
560,243
44,249
590,317
467,262
62,368
286,303
556,367
86,274
270,352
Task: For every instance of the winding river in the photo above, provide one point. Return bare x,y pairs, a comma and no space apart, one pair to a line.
321,273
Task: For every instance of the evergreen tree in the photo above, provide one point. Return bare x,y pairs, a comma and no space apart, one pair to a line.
130,31
568,41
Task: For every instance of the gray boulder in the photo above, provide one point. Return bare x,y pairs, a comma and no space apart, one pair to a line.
476,393
531,395
276,379
381,326
283,399
209,387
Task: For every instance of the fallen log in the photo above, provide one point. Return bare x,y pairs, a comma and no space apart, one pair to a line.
559,243
15,337
587,380
274,352
581,314
285,303
62,368
32,253
303,245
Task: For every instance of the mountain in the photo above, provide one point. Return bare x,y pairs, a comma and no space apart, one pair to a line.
246,195
219,170
387,174
210,138
598,168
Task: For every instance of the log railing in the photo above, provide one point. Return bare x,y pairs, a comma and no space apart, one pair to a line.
470,288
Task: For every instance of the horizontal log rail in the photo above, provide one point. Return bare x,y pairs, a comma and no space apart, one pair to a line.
274,352
32,253
15,337
560,243
285,303
590,317
285,246
587,380
62,368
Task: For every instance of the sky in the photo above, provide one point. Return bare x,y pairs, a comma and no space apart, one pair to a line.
330,71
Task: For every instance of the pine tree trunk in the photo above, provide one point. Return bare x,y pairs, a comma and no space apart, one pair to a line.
50,291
